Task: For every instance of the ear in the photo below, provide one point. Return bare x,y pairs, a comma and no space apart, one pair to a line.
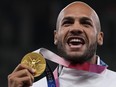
100,38
55,37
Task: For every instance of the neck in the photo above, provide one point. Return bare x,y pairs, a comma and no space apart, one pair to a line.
93,60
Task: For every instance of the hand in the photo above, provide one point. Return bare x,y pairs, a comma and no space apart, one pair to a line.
22,76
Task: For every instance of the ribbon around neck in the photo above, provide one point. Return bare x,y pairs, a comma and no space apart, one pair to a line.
47,54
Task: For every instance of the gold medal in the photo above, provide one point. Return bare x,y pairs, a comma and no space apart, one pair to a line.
35,61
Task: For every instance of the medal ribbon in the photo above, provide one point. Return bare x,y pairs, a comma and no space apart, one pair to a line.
47,54
50,78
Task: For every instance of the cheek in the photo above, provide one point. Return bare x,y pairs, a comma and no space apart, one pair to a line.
94,39
61,35
92,36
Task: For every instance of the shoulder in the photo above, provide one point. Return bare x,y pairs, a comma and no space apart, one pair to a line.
111,75
40,83
110,72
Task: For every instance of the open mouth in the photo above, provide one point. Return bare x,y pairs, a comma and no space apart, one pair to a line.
75,42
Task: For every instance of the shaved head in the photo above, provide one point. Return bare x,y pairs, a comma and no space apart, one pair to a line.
82,5
78,32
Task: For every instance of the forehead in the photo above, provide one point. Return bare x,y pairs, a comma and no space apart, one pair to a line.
77,10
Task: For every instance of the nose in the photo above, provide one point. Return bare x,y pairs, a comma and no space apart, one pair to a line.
76,29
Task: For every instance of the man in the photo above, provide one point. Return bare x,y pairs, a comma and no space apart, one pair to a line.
77,34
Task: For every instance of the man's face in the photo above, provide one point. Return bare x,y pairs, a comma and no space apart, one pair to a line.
77,37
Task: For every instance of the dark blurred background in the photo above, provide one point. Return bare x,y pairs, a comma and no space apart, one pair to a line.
27,25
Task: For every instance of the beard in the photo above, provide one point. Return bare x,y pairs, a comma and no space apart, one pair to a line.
75,59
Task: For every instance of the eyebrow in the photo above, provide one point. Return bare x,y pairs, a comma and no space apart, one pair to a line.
86,18
71,18
67,18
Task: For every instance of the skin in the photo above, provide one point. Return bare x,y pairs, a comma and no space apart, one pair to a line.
22,76
77,21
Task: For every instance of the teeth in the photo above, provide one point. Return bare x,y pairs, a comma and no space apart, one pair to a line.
75,40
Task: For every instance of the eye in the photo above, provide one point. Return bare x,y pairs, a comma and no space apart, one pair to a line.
67,23
86,24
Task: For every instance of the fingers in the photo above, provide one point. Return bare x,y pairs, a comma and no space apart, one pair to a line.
23,66
22,76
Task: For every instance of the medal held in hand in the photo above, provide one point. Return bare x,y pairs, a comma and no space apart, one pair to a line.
35,61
